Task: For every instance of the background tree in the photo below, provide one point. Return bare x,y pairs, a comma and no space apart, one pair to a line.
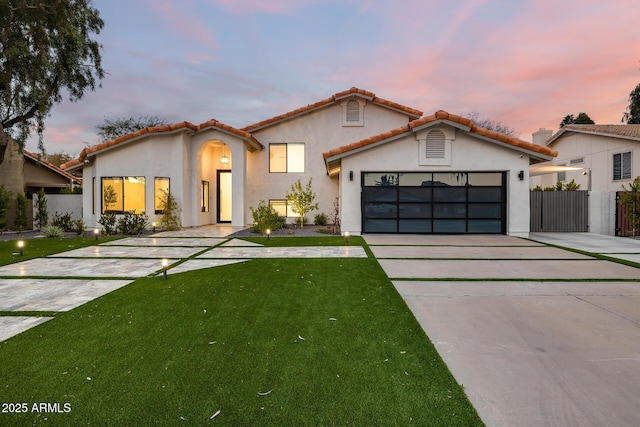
631,199
45,49
42,213
57,158
580,119
20,220
496,126
301,200
113,128
5,204
632,115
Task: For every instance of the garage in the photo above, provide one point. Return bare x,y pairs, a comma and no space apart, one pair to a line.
434,202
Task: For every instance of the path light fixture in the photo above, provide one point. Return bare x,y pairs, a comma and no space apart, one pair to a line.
153,225
346,236
96,233
268,231
165,263
21,247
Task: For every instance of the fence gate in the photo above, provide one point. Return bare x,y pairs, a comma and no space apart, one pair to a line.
623,225
559,211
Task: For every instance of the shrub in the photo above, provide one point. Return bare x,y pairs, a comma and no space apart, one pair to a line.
63,221
5,203
20,220
53,231
79,227
264,216
75,190
42,214
170,218
108,222
320,219
132,223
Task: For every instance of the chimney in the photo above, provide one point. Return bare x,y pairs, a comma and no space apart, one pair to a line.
542,136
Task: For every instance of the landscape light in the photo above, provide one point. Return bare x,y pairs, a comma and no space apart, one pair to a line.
153,224
268,233
96,232
346,236
21,247
165,263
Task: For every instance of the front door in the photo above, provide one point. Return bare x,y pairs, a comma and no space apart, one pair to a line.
224,196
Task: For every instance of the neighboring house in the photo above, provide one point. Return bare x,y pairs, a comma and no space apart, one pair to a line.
601,158
39,173
598,157
392,170
26,172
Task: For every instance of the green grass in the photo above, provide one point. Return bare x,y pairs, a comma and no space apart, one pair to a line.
326,342
38,248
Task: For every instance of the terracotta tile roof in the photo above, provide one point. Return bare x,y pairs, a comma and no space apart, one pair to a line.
619,131
354,91
51,166
442,115
183,126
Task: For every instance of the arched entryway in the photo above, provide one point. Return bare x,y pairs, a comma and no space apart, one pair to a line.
215,182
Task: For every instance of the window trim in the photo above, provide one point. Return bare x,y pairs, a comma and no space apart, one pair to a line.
122,203
287,144
155,192
622,176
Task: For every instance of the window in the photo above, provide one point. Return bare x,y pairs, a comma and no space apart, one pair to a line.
562,176
286,158
204,196
622,166
283,208
161,186
122,194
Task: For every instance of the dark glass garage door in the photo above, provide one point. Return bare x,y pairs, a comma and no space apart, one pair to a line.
434,202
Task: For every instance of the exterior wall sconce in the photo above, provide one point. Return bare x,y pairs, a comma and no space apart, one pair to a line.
96,233
165,263
350,175
224,159
521,175
21,247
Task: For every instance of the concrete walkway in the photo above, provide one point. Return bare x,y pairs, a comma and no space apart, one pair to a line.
550,349
66,280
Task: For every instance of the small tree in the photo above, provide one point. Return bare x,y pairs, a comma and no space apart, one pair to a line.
631,200
335,217
170,219
301,200
20,220
110,197
5,204
42,214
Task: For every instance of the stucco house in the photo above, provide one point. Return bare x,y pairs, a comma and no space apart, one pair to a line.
601,158
392,170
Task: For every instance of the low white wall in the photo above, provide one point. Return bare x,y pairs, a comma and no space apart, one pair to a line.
61,204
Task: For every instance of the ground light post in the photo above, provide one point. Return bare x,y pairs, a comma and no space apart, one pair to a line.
165,263
21,247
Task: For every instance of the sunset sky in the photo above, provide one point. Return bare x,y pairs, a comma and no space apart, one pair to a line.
527,63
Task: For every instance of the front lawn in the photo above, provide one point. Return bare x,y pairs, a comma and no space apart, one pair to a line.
42,247
268,342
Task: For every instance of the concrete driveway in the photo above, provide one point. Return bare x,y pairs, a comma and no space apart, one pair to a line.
534,340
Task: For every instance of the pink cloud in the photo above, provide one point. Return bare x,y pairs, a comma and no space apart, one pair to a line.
184,24
264,6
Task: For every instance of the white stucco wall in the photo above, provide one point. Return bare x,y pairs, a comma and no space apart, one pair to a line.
320,131
467,154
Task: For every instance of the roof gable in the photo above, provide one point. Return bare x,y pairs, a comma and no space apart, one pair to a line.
38,160
539,151
630,132
334,99
163,129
